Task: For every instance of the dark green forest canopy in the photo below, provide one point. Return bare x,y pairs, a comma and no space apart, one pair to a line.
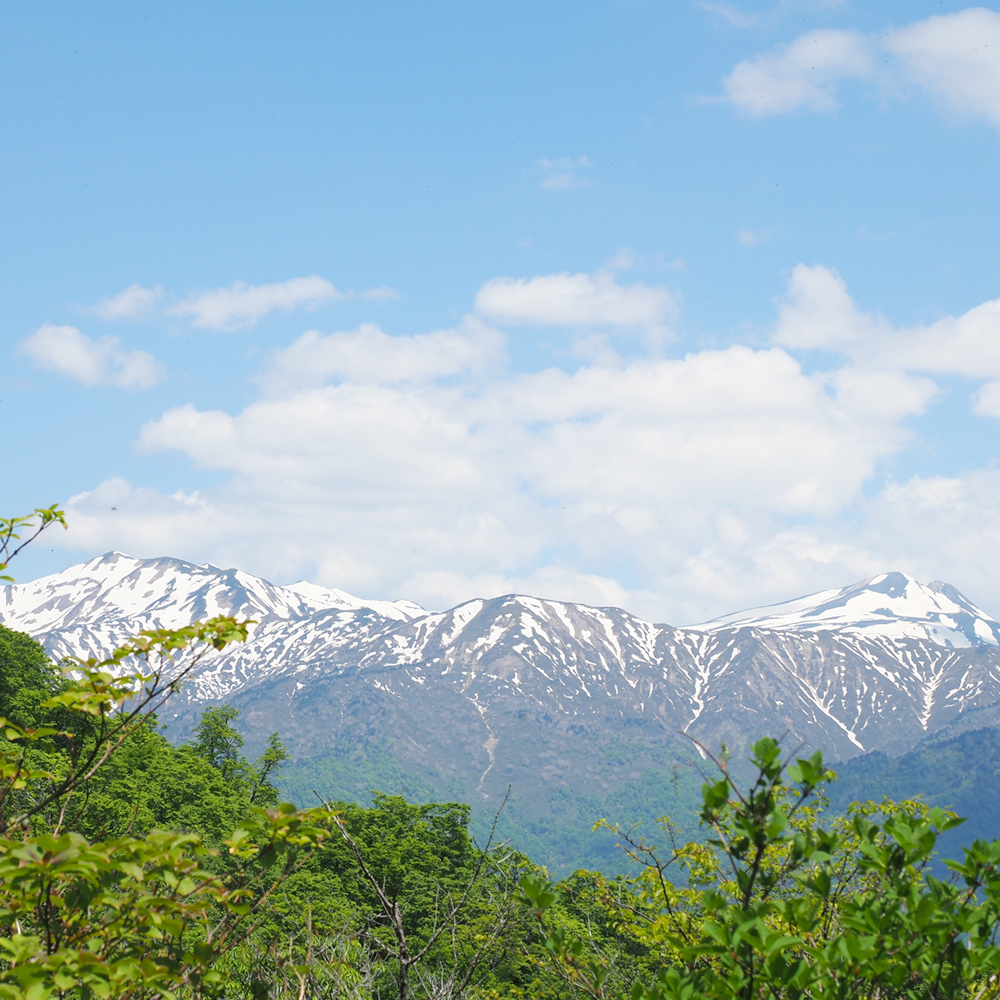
147,783
27,677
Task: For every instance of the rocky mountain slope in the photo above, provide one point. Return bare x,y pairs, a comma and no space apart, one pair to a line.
557,699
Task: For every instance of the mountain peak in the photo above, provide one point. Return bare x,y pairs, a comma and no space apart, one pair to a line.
891,605
168,593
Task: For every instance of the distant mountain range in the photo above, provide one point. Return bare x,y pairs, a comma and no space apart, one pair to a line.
579,708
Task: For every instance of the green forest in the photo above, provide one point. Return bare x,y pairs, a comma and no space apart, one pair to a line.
131,867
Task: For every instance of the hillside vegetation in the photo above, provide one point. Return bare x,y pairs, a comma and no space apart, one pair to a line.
171,871
960,772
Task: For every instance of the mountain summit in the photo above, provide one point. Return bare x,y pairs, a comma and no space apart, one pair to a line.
891,606
112,596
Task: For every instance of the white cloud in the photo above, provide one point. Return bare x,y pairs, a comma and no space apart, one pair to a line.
819,313
242,305
439,491
574,300
730,14
135,302
367,355
563,173
941,527
681,487
956,57
802,74
986,402
64,349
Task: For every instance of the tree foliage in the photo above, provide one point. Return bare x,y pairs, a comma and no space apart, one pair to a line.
777,904
125,916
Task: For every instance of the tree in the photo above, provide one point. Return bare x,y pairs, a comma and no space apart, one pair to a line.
417,904
27,678
217,741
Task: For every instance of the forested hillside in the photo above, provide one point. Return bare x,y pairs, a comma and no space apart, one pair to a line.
958,772
169,871
552,821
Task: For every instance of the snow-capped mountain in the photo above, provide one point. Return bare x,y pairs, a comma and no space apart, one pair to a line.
890,606
501,687
87,610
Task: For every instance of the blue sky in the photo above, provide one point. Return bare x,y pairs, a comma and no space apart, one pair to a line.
678,306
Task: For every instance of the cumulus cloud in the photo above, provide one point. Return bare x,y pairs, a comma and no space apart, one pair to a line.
986,401
367,355
954,57
680,487
941,527
393,484
803,74
64,349
135,302
242,305
574,300
819,313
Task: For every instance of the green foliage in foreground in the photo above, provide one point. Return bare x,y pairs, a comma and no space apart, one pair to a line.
131,868
127,915
778,904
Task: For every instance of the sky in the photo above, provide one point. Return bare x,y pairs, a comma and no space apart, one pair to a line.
682,307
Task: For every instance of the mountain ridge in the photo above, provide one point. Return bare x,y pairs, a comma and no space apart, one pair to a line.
947,616
903,655
582,710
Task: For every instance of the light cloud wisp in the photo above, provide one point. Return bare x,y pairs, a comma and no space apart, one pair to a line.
135,303
64,349
574,300
242,305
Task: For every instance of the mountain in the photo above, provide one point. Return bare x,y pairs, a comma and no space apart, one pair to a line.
891,606
578,708
88,609
959,771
